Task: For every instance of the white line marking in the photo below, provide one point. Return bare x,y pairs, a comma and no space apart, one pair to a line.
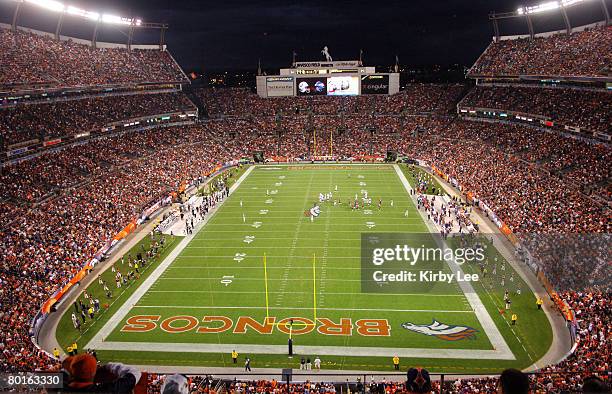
97,342
487,323
281,308
328,293
124,309
319,350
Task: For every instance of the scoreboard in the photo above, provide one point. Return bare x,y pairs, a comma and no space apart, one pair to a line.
344,78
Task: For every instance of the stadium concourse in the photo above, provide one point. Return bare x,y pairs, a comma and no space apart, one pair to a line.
60,205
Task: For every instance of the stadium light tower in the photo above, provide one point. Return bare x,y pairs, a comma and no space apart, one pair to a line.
549,6
93,16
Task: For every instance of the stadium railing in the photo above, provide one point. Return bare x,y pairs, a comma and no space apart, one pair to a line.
21,150
529,119
350,382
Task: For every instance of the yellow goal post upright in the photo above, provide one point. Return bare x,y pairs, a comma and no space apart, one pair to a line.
314,296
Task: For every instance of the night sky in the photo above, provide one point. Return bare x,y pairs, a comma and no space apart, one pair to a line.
233,34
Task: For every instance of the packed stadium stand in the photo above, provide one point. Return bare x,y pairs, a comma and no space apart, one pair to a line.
66,118
583,53
58,207
581,108
30,59
415,99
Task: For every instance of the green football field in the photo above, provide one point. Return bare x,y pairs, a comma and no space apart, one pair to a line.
261,270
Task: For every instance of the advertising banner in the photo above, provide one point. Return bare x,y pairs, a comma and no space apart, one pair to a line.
375,84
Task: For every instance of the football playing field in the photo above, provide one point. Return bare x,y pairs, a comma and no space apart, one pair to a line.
262,270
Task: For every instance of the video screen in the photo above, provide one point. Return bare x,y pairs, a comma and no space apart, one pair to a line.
311,86
375,84
279,86
342,86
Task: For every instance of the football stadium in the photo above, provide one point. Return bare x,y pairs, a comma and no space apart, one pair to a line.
329,226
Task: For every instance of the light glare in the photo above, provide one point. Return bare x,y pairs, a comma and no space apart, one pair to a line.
56,6
548,6
48,4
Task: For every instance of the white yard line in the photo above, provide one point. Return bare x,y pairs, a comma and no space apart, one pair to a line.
500,351
201,256
319,350
259,257
275,247
279,267
260,279
407,221
305,292
393,225
487,323
292,249
289,308
122,312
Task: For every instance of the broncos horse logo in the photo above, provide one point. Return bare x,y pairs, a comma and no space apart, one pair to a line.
442,331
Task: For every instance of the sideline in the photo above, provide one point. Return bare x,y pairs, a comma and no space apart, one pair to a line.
47,337
495,337
351,351
124,309
561,342
325,375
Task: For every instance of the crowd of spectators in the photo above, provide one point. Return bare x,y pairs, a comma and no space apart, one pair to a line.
523,195
43,244
59,208
30,59
47,244
583,53
526,162
55,119
438,99
585,109
590,358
